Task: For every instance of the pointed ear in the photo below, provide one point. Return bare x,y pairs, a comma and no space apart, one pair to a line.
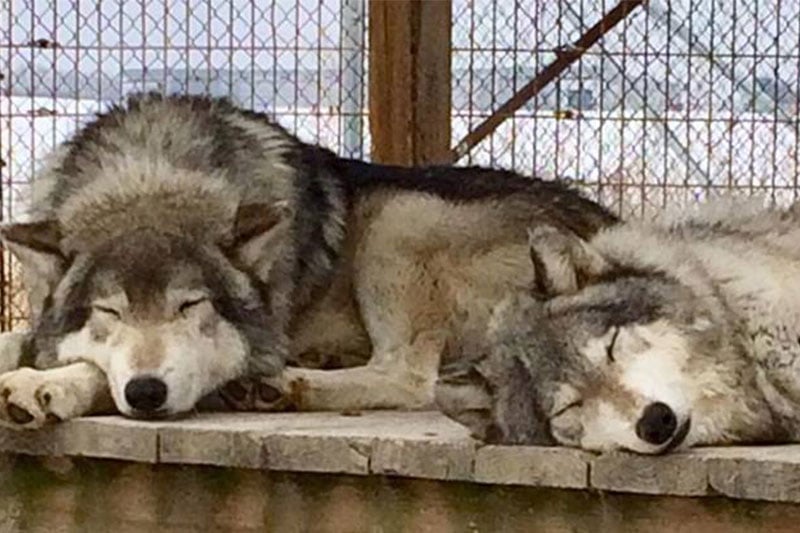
259,232
494,398
37,246
562,261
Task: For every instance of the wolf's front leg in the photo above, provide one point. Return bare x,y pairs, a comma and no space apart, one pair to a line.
389,382
12,346
349,389
31,398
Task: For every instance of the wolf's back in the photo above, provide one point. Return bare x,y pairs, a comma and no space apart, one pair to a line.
181,164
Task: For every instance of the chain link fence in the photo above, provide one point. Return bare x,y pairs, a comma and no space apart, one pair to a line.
62,61
680,101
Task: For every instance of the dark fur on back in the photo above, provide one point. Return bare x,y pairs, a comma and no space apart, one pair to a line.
561,202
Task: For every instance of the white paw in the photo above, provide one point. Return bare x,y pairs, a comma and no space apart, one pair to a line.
31,398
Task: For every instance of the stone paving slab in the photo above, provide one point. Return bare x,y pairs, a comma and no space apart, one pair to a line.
533,466
412,444
678,474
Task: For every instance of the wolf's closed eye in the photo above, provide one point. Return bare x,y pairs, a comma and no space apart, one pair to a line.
566,427
572,405
107,311
610,347
185,306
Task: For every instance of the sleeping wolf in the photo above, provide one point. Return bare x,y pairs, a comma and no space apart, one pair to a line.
180,245
648,338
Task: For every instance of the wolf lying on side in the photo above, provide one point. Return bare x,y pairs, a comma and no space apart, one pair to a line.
649,338
179,244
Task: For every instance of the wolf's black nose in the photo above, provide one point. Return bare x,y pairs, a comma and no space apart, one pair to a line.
146,394
657,424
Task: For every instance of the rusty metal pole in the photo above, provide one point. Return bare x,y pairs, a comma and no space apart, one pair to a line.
565,57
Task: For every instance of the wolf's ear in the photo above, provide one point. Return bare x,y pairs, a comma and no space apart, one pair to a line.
259,232
562,261
494,398
463,395
37,246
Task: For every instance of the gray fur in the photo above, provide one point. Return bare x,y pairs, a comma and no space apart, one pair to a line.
173,224
713,291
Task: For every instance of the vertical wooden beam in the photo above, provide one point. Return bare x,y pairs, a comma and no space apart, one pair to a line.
410,81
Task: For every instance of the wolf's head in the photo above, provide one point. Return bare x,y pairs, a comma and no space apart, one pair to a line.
600,357
169,316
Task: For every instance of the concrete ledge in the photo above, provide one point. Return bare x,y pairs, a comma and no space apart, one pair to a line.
416,445
680,474
766,473
532,466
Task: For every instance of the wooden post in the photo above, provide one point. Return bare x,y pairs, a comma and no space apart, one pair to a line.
409,81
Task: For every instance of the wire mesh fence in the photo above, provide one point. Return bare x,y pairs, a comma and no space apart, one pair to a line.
62,61
682,100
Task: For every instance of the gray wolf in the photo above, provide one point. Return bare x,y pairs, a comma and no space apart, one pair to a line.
179,246
651,336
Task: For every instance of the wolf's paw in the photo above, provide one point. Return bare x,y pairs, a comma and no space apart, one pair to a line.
257,394
30,399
